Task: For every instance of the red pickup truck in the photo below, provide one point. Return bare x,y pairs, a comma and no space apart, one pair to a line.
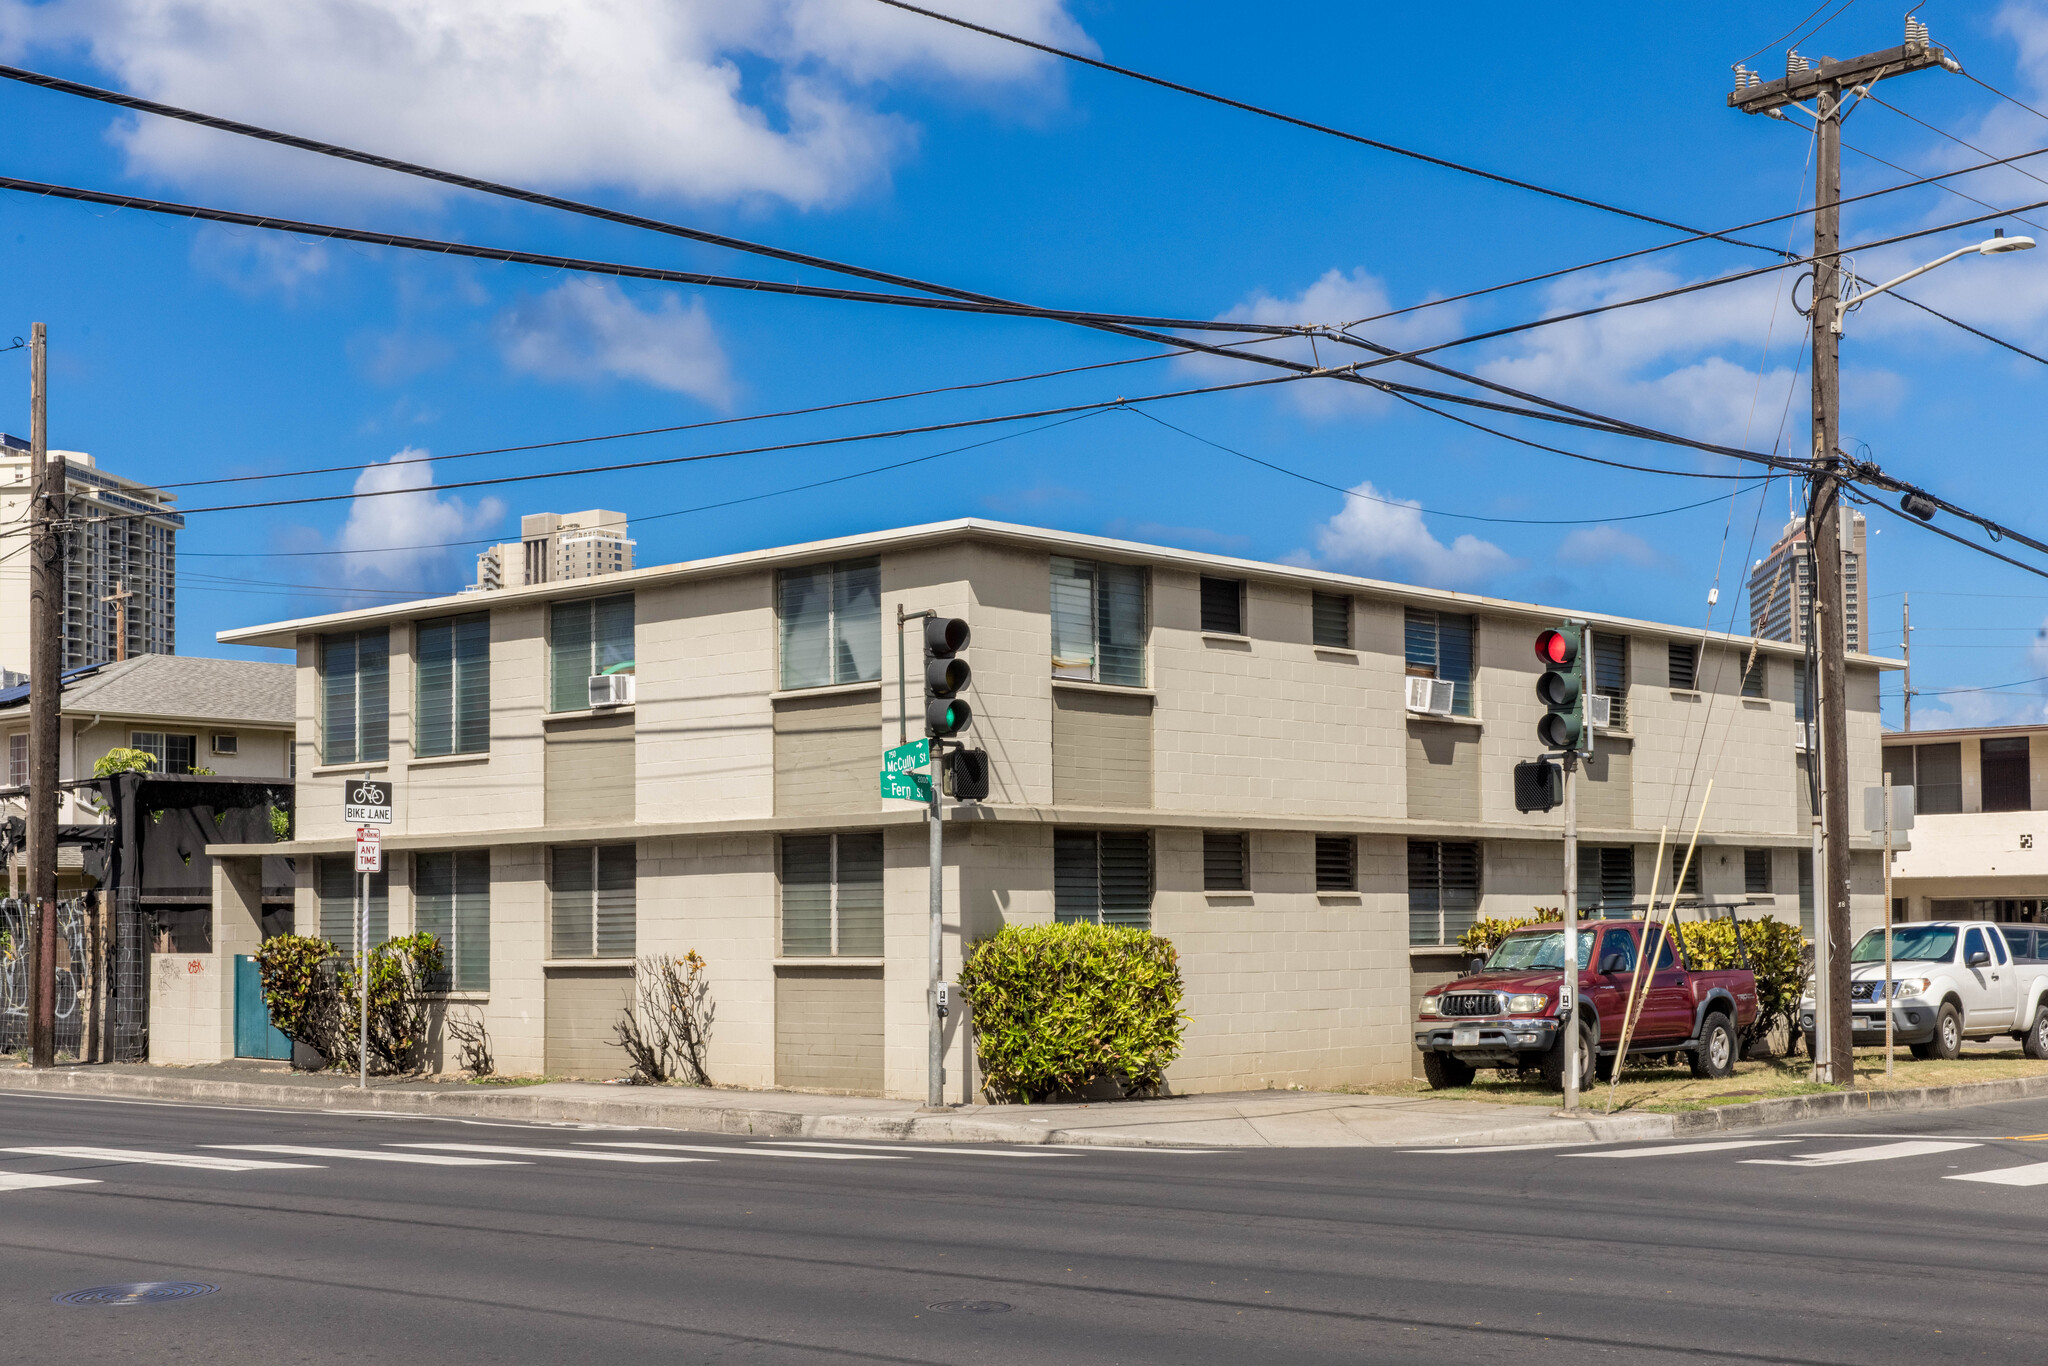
1505,1014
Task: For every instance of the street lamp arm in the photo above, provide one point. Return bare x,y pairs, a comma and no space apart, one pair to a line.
1916,271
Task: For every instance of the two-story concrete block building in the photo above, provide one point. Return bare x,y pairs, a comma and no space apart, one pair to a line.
1980,842
1217,748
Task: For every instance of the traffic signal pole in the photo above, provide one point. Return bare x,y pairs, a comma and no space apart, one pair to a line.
1568,1007
1832,88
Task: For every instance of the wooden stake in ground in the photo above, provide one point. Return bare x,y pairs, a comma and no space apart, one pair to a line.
1647,958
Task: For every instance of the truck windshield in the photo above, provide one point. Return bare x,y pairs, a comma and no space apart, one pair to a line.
1930,942
1543,949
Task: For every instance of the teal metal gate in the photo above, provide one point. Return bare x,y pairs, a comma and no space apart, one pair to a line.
255,1036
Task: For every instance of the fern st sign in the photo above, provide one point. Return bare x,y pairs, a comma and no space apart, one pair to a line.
366,801
910,787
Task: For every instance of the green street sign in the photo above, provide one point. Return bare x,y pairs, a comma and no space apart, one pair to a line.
911,787
904,758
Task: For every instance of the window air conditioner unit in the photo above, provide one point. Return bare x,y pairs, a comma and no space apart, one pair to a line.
1600,710
611,690
224,744
1430,696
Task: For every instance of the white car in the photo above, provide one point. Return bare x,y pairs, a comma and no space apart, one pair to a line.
1951,980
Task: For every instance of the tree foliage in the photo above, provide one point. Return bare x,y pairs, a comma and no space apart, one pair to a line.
1774,954
123,761
1059,1007
1485,935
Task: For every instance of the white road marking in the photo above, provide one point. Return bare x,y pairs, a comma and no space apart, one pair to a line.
748,1152
147,1159
2033,1174
1677,1148
908,1148
510,1151
422,1159
1883,1152
1494,1148
25,1181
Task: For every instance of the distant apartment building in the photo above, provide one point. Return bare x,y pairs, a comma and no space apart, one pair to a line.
1225,751
554,547
1980,838
120,565
1781,584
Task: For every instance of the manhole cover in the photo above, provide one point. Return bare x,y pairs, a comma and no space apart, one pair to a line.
971,1307
141,1292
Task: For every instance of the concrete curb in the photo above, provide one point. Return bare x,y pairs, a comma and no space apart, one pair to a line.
531,1105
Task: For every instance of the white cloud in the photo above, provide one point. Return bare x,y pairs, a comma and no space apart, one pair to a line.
254,263
1596,545
1332,300
1378,535
584,331
660,98
418,518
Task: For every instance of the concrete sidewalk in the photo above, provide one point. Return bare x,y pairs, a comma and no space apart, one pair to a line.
1253,1119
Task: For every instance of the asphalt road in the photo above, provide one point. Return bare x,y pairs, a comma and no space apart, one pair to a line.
741,1251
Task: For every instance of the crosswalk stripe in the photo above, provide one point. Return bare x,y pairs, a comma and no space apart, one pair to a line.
748,1152
1883,1152
29,1181
1492,1148
1675,1149
148,1159
510,1151
2033,1174
421,1159
908,1148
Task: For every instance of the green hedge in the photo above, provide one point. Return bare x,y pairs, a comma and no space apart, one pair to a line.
1059,1007
310,989
1773,949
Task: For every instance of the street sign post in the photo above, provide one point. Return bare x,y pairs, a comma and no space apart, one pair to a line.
366,804
904,758
366,801
909,787
369,849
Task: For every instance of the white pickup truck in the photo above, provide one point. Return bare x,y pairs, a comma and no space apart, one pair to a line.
1951,980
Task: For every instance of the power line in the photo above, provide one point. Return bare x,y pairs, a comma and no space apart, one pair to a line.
658,462
664,431
1395,503
443,247
1357,138
1950,535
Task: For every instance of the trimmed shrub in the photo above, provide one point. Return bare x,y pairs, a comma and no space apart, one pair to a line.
1485,935
310,988
298,988
1060,1007
1775,956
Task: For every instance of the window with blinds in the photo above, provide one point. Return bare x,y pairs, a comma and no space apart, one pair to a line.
1938,779
452,685
1223,606
1753,675
2004,763
594,636
832,895
340,887
173,753
1685,666
1103,877
1806,892
1443,890
1336,863
591,893
451,893
1691,886
1610,676
830,618
355,697
17,759
1330,620
1098,622
1756,872
1800,697
1607,879
1225,867
1439,645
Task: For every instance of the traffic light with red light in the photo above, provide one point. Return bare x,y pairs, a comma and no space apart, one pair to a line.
1562,689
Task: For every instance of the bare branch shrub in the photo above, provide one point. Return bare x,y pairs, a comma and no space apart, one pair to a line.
665,1036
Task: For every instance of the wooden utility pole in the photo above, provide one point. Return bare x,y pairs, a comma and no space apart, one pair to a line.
45,683
119,597
1827,92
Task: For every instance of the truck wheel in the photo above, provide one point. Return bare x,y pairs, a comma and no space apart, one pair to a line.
1553,1063
1443,1071
1948,1033
1922,1051
1715,1057
2034,1043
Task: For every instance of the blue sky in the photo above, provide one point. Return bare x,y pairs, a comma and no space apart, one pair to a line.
846,129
